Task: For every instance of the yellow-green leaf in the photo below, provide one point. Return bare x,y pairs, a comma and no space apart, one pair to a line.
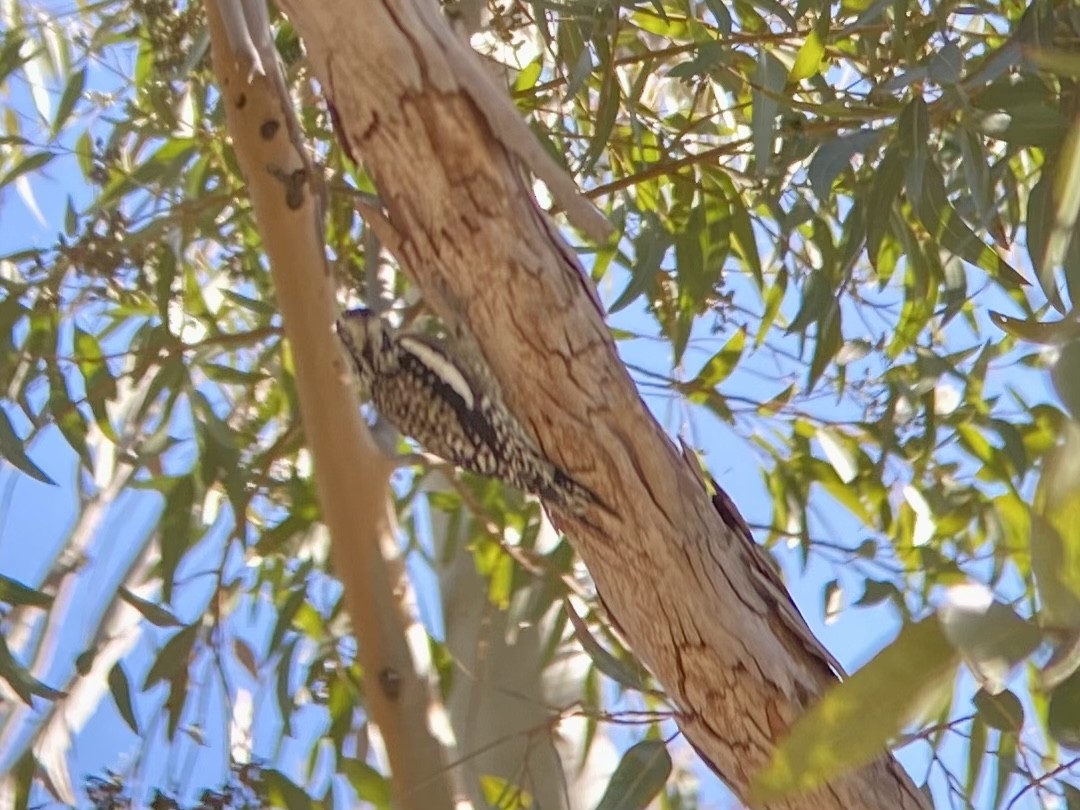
854,722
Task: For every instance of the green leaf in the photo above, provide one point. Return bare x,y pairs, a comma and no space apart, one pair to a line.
650,246
842,458
742,239
1002,711
720,365
1055,532
286,613
625,673
1066,376
774,297
1024,124
176,527
950,231
172,660
809,59
829,339
1005,760
722,15
976,755
11,448
832,157
71,95
947,64
99,381
153,613
282,697
175,702
977,174
607,112
370,785
20,680
581,71
697,279
10,57
1063,714
30,163
527,77
502,794
1051,333
283,792
1066,207
639,778
768,83
853,723
120,688
22,776
989,635
15,593
67,416
1055,60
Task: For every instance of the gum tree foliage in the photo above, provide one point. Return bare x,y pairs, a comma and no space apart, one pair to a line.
845,231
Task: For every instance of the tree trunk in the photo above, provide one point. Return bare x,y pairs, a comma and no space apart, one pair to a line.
690,592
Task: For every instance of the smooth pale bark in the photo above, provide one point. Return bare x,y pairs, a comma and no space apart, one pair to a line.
692,597
505,699
351,475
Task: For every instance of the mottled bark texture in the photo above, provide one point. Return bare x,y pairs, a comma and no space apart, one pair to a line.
690,593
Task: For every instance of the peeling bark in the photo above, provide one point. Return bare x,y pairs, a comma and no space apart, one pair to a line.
692,595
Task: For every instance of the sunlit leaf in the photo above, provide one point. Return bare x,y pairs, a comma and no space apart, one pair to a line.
720,365
946,225
808,60
283,792
370,785
838,454
503,794
991,638
855,720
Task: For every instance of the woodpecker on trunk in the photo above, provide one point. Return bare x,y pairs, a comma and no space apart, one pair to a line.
451,407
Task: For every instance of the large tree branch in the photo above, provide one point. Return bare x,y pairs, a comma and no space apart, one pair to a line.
689,591
350,473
